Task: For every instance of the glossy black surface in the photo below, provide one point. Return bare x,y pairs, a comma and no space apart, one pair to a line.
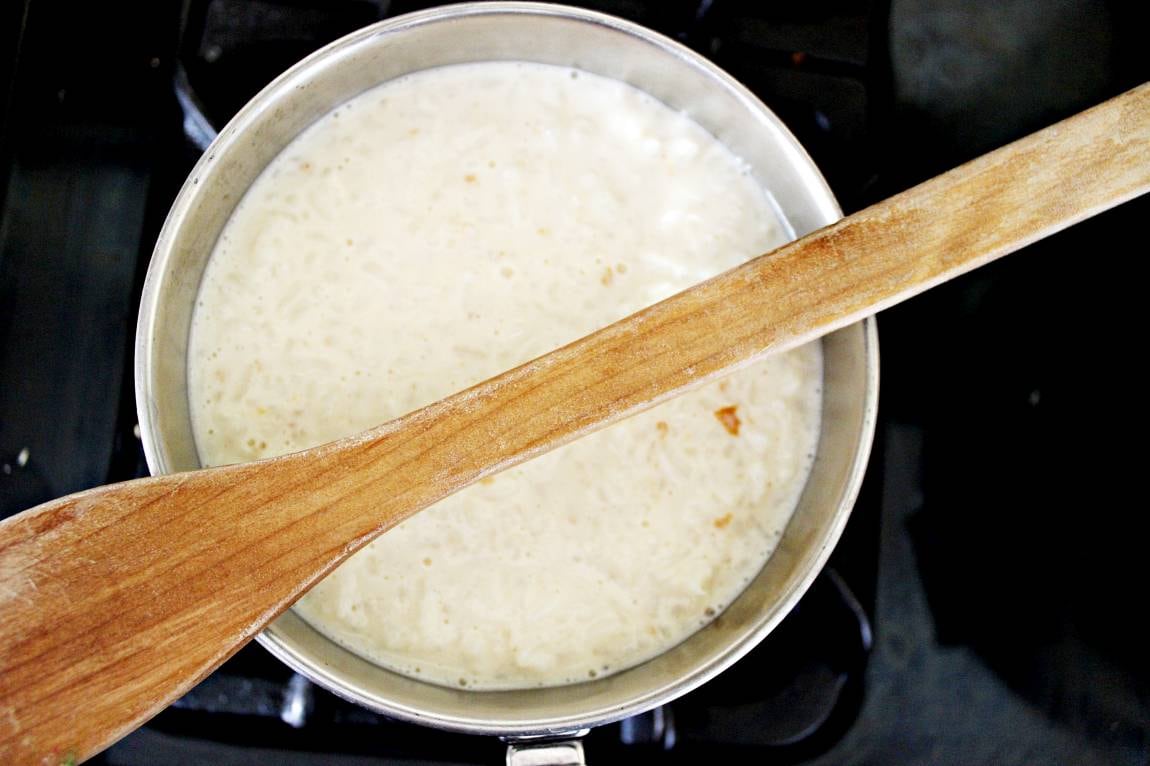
997,550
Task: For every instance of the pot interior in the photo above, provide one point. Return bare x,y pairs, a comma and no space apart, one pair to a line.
544,34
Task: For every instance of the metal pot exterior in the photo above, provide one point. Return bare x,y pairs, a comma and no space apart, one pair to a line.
547,34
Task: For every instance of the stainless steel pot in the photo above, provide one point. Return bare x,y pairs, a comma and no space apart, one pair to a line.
555,35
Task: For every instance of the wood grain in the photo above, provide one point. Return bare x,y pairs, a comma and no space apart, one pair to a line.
115,601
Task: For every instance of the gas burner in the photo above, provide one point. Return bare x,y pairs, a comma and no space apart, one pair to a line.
112,159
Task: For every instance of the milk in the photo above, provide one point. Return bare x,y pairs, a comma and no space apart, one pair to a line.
444,227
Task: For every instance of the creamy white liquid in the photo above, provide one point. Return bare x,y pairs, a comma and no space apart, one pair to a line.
447,226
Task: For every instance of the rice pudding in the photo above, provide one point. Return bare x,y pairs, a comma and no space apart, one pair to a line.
454,223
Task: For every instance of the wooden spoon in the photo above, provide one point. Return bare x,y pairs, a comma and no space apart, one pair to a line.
115,601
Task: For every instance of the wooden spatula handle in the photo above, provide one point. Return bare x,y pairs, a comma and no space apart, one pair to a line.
115,601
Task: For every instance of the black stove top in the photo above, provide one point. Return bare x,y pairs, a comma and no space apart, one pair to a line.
994,549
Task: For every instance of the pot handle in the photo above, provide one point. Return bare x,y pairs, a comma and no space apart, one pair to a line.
567,751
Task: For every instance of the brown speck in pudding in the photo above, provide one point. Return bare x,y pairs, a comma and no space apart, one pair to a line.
729,419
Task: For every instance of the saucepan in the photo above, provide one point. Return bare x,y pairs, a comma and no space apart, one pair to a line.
554,35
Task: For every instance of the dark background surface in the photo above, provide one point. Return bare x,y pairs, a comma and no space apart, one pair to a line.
1006,513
